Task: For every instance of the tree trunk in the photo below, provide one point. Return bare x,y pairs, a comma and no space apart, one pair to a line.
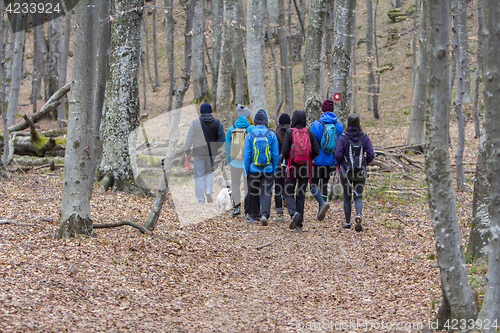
9,58
376,90
479,232
479,66
312,60
299,35
38,67
146,48
102,77
255,55
369,55
200,86
239,63
53,64
286,68
169,26
5,156
174,118
341,63
464,49
226,65
442,205
76,192
416,133
459,155
217,23
491,302
155,49
42,51
61,114
121,115
278,100
17,55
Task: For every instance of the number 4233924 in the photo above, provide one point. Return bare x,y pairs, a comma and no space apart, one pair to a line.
33,8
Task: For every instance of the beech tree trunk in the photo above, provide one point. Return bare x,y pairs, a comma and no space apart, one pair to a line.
464,49
255,55
416,133
451,261
217,23
155,48
42,51
5,156
479,66
200,86
102,77
369,54
169,26
174,119
312,60
53,64
491,303
76,192
286,68
459,155
226,65
121,115
61,114
17,59
239,62
479,237
341,77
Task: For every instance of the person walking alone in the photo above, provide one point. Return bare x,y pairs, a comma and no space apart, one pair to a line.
300,147
206,136
353,153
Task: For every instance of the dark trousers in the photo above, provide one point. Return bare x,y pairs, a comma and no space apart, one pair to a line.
279,186
295,190
260,187
352,189
320,177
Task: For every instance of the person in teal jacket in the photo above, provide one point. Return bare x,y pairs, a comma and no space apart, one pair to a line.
260,178
324,163
236,164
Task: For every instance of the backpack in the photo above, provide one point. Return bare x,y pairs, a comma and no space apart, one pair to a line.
238,136
329,138
261,148
355,162
301,146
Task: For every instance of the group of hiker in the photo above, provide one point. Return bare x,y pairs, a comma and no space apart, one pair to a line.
287,159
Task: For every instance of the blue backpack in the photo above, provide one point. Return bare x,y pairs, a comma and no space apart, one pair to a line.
329,138
261,149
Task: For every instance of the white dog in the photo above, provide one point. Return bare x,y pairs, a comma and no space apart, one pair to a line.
224,199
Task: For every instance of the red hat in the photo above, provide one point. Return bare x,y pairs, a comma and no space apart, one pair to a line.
327,105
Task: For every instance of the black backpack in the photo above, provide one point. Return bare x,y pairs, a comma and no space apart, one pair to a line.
354,157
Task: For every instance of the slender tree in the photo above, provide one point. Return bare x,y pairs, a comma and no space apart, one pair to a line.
479,64
312,60
255,51
61,114
200,86
217,23
458,302
459,154
155,48
76,192
341,78
278,100
239,62
286,68
5,156
169,26
17,59
226,65
369,54
491,302
121,115
464,49
145,46
416,133
53,62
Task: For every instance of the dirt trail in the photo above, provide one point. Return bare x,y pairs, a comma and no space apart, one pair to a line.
218,281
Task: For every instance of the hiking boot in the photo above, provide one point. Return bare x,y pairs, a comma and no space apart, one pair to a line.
236,210
209,198
252,220
247,216
358,226
298,229
263,220
280,218
295,220
322,211
347,226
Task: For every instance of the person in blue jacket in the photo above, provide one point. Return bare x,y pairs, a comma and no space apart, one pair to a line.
324,163
236,164
260,178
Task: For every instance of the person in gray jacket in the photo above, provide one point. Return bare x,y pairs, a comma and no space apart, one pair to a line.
206,136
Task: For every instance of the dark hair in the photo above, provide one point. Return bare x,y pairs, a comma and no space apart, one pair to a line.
353,120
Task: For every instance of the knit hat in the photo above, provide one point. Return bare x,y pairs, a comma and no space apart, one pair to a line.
260,118
242,110
353,120
327,105
284,119
206,108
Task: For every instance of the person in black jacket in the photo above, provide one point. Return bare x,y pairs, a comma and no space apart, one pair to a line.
297,175
206,136
279,177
